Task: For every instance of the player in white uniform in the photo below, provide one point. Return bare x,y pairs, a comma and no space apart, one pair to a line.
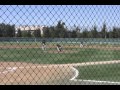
43,45
59,48
81,44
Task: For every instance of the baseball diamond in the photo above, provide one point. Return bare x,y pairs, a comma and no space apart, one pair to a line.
59,44
27,59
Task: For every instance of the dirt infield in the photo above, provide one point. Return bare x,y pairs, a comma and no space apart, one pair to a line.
63,51
28,73
18,46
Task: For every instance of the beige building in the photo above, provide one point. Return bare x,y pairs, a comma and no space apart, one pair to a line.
31,28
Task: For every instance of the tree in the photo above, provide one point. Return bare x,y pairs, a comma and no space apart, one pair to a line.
78,32
29,34
7,30
3,28
73,34
104,31
24,34
94,32
52,32
10,30
60,30
115,33
46,32
118,29
69,34
19,34
37,33
90,35
85,33
1,31
110,34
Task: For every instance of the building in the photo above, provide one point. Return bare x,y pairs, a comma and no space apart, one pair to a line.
30,28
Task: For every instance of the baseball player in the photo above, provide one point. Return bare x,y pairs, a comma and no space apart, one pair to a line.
59,48
81,44
43,45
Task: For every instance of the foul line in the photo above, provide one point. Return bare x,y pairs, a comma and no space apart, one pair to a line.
96,81
93,63
76,73
89,81
10,69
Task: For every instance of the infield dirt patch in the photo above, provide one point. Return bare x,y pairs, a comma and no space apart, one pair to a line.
27,73
63,51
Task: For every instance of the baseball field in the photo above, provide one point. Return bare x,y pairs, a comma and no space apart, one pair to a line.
27,63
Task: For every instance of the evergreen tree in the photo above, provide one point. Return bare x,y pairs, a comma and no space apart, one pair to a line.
19,34
104,31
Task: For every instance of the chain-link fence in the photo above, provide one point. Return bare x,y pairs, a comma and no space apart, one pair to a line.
59,44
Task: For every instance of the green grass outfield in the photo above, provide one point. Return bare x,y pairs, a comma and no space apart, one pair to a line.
109,72
36,55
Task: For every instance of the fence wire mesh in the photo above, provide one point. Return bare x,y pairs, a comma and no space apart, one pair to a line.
59,44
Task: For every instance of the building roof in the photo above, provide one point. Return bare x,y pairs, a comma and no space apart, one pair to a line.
25,27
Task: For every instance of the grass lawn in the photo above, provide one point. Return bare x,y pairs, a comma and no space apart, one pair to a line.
110,72
36,55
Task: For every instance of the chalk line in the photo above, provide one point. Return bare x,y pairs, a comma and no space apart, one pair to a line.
96,81
76,73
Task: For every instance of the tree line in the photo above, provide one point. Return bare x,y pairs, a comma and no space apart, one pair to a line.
60,31
7,30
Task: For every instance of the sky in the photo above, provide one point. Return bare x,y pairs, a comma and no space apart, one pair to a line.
79,15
